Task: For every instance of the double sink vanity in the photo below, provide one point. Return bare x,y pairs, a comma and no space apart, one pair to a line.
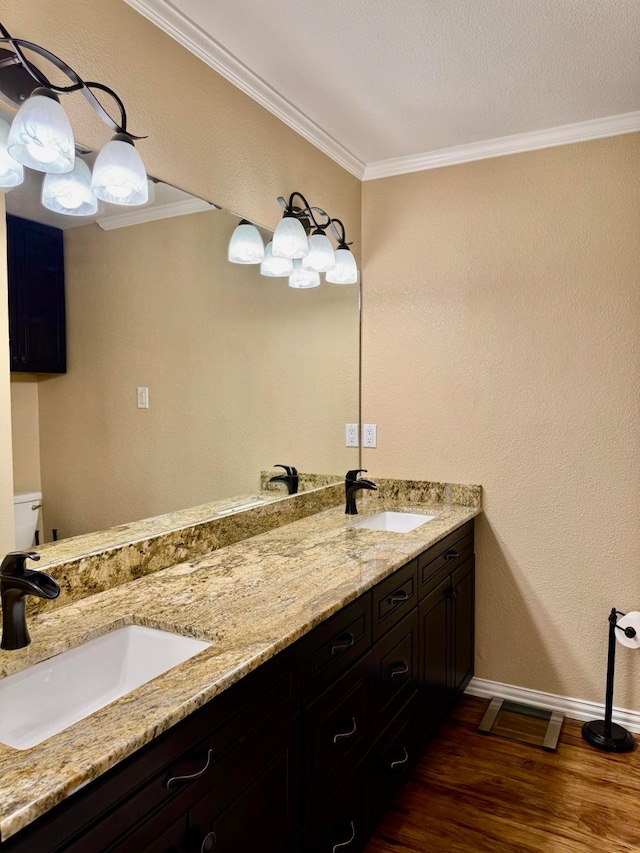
323,653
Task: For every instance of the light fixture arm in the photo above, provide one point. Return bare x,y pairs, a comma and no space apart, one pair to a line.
77,83
306,212
340,236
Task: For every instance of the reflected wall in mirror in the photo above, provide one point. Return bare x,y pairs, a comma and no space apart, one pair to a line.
242,371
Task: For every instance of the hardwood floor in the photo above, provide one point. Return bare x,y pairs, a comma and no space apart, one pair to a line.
474,793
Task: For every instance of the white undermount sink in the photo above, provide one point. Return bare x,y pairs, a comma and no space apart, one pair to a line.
52,695
394,522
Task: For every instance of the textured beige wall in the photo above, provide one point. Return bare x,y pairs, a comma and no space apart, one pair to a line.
6,460
25,433
501,346
204,134
243,372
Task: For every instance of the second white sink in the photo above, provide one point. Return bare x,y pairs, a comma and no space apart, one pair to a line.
394,522
52,695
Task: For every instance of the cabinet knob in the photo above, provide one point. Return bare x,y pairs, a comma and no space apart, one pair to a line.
209,843
451,554
342,844
23,359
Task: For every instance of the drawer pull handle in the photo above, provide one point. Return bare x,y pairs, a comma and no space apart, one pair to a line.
209,843
345,642
342,735
175,780
452,554
400,761
398,597
403,669
336,847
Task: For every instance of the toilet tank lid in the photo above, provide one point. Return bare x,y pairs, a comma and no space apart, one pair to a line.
26,497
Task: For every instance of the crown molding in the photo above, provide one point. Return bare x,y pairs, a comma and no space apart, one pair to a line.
577,709
150,214
164,15
565,134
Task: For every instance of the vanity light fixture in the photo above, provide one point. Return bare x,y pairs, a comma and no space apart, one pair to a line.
41,137
246,246
345,270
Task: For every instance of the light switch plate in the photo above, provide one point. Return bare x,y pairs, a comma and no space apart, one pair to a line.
143,398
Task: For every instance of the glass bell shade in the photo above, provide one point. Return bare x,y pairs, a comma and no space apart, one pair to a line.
303,279
70,193
275,267
345,270
321,257
289,238
119,176
246,246
11,172
41,135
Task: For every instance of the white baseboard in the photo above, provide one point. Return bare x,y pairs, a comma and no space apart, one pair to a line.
577,709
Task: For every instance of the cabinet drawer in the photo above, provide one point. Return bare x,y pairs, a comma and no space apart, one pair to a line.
394,597
344,824
455,547
395,753
395,668
333,646
337,732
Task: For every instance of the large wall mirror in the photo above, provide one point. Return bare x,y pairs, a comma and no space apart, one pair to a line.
242,371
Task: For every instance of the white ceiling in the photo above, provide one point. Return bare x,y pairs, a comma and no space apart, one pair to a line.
371,80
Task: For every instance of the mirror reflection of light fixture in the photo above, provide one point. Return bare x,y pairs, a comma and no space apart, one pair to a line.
246,246
275,267
41,137
303,279
70,193
11,172
345,270
291,254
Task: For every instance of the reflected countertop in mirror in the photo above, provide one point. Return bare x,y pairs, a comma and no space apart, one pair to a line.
242,371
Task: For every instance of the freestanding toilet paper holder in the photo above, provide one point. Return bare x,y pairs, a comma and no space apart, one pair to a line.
605,734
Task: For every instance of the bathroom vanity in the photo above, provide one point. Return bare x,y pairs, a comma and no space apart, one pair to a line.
335,654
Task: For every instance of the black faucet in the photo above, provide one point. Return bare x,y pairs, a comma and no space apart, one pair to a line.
289,478
351,486
15,585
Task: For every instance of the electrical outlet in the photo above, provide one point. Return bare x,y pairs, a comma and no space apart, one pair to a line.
351,435
143,398
369,435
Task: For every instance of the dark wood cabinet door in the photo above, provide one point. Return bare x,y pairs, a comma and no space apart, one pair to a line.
463,594
266,814
36,297
435,616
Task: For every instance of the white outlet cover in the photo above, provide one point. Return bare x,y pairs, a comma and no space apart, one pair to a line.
351,435
369,435
143,398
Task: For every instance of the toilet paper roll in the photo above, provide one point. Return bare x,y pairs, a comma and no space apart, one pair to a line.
631,620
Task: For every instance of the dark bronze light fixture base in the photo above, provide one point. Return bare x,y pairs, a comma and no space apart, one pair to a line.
618,740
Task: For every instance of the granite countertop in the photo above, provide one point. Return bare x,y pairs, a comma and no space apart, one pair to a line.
249,600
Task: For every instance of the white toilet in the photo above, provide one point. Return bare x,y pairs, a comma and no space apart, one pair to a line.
26,507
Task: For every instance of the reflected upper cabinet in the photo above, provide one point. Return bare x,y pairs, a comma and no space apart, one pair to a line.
36,297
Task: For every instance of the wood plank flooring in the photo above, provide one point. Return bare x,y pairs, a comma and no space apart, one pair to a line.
473,793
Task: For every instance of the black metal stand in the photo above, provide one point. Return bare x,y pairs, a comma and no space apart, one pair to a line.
604,734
